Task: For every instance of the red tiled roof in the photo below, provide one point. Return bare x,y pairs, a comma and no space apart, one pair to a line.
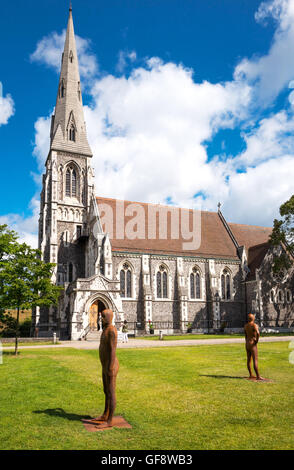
256,255
215,240
250,235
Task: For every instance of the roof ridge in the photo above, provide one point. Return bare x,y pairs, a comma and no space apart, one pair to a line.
249,225
153,204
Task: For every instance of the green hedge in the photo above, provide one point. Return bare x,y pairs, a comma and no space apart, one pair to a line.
9,330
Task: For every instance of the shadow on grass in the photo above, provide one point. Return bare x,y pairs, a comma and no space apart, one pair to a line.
223,376
60,413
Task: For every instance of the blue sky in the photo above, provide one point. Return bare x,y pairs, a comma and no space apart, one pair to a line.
195,95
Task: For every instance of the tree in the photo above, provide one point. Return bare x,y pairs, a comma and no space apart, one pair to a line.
7,242
7,248
25,282
283,234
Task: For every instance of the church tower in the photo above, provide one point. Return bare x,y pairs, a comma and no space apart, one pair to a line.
68,182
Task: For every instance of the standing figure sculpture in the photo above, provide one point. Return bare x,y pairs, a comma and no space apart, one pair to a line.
110,365
252,337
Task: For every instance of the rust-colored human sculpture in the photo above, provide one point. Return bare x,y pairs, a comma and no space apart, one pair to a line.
252,337
110,365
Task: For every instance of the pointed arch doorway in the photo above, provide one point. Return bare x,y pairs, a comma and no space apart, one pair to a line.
97,307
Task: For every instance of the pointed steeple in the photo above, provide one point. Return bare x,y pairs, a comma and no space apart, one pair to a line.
68,128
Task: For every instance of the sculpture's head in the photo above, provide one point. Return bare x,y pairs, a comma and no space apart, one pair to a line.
106,316
251,317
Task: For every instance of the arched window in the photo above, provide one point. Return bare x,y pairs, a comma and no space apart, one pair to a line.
195,284
280,296
161,283
62,89
71,57
67,183
66,238
226,285
71,182
126,281
72,133
272,296
288,296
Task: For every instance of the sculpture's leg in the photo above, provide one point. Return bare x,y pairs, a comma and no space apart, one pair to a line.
255,362
104,416
112,398
251,376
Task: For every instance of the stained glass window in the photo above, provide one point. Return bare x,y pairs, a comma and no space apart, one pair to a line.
122,283
129,283
161,282
73,183
72,134
195,287
126,281
164,285
192,286
226,285
67,184
223,287
158,281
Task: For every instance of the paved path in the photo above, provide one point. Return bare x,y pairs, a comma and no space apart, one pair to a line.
144,343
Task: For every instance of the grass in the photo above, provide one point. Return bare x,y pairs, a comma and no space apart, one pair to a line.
204,336
175,398
29,343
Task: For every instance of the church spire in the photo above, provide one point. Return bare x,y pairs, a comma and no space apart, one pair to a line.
68,129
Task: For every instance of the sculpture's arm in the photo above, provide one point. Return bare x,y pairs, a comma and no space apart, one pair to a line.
257,334
112,352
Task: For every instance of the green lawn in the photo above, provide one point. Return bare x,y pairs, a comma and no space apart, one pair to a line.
204,336
175,398
28,343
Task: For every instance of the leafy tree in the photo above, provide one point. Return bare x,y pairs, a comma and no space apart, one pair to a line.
283,233
7,248
7,242
25,281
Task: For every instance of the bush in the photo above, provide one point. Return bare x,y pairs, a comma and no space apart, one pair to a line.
25,328
8,329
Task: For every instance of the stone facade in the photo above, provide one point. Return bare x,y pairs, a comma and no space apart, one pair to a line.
270,296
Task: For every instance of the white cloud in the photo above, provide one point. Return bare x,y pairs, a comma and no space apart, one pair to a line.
255,196
26,227
147,131
272,72
123,58
42,139
6,107
49,52
273,138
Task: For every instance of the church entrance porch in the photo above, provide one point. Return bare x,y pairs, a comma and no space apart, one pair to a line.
86,298
94,314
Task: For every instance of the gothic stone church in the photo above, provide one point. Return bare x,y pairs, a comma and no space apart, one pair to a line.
142,278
